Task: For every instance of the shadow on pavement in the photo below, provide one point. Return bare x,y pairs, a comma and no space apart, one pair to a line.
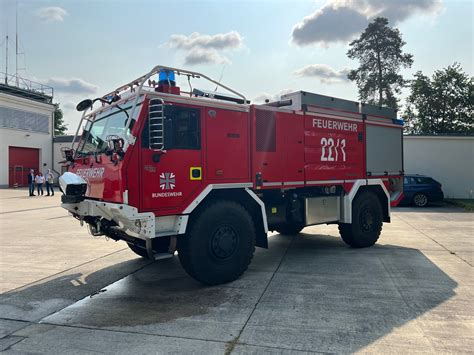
323,296
41,298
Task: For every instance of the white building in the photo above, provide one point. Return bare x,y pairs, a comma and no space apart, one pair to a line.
26,131
447,159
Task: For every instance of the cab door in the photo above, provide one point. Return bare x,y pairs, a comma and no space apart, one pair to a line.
169,176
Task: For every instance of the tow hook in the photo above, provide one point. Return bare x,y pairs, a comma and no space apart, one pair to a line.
95,230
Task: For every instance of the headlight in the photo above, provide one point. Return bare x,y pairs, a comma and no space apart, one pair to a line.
73,187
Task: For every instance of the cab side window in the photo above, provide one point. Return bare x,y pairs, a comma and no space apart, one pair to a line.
182,128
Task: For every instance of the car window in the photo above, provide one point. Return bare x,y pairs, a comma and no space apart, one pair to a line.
406,181
423,180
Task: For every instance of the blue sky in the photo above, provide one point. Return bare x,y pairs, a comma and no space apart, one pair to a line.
262,48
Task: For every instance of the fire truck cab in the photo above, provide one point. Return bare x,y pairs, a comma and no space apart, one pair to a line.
207,174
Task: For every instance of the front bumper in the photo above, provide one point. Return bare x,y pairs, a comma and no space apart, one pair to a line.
127,218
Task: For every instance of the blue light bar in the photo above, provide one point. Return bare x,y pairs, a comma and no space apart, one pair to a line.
165,76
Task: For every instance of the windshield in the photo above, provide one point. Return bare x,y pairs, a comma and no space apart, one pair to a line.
108,123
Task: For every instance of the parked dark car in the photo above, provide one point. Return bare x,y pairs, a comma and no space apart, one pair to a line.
420,190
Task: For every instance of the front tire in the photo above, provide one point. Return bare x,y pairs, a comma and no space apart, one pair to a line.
420,200
289,229
160,245
219,245
364,231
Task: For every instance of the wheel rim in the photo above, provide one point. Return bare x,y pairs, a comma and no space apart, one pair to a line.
420,200
366,219
224,242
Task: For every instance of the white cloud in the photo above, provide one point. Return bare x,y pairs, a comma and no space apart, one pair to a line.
71,86
230,40
329,24
203,49
342,20
325,73
260,98
204,56
52,14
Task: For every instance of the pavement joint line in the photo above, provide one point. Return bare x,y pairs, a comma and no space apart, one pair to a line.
131,332
27,323
20,339
286,349
63,271
231,344
16,320
435,241
30,209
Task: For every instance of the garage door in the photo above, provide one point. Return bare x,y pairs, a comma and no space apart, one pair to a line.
20,161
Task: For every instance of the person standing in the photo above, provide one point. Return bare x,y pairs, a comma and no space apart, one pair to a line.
31,182
39,183
49,182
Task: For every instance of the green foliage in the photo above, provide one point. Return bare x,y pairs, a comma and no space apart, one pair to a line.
60,127
379,51
443,104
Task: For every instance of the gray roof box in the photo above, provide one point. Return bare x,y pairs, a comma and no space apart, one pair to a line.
310,102
380,111
307,101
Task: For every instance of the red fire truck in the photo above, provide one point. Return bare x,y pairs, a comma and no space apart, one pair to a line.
207,174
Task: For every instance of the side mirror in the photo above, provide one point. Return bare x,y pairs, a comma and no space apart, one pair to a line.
156,124
67,154
84,105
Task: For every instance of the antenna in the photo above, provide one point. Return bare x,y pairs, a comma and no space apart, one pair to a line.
16,42
6,61
220,78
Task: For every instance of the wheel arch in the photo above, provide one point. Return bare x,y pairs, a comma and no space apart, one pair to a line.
384,200
244,197
360,186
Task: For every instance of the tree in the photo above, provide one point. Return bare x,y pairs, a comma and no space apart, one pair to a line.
443,104
379,51
60,127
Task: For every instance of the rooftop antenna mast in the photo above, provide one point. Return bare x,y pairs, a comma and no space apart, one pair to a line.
16,44
6,60
6,52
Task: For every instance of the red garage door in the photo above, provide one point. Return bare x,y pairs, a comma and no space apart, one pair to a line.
20,161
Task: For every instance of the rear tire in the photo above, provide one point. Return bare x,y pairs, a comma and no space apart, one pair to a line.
220,243
364,231
420,200
289,229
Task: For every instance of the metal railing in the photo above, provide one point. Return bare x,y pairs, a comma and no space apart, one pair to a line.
136,86
25,84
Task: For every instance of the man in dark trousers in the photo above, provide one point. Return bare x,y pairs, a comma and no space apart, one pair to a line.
31,182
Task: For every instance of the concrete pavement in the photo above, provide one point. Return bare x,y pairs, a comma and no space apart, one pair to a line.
64,292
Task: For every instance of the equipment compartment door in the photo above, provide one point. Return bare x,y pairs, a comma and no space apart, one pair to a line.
227,145
291,133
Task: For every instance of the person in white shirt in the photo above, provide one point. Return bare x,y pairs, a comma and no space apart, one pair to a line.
49,182
39,179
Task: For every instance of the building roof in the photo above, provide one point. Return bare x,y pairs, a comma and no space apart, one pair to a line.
17,86
64,139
